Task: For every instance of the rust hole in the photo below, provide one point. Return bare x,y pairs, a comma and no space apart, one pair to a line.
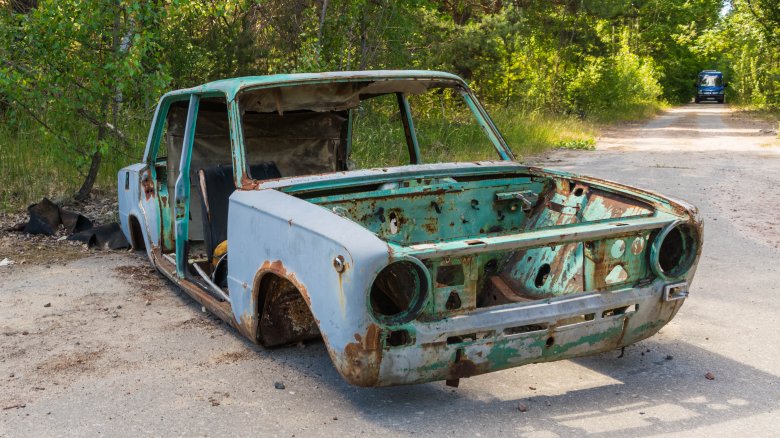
453,302
541,275
550,342
397,338
578,191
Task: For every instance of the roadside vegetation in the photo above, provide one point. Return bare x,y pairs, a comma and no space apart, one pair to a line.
79,79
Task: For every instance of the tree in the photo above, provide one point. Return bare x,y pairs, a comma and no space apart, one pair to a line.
80,60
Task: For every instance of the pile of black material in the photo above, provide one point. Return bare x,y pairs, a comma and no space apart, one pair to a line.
47,217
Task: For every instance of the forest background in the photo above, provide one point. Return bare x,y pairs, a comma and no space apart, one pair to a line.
79,79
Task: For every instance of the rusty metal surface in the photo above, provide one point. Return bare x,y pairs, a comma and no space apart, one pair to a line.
514,265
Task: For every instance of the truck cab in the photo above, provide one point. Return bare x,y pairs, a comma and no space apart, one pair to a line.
710,87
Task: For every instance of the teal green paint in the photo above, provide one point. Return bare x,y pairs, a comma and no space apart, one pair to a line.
595,338
418,217
647,327
237,142
182,199
411,134
501,354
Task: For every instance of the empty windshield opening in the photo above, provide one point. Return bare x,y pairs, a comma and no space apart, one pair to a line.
321,128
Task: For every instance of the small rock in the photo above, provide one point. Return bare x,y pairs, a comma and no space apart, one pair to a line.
278,385
709,376
47,305
669,357
119,306
641,413
25,333
335,418
522,407
148,303
532,388
203,309
115,315
11,375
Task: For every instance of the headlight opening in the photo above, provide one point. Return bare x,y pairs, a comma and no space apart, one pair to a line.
399,292
674,250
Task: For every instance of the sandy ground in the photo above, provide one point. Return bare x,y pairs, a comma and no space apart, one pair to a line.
98,344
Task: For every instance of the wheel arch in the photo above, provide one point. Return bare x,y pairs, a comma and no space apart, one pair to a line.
137,239
280,292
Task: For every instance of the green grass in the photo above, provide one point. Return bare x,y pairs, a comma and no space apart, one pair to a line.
627,112
533,133
34,164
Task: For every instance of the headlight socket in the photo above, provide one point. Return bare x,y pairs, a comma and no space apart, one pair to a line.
674,250
399,291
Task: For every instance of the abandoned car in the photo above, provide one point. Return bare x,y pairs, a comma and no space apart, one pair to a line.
382,212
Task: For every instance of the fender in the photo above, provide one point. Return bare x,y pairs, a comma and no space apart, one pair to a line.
269,231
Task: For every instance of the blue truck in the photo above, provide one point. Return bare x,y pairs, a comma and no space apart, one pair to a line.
710,87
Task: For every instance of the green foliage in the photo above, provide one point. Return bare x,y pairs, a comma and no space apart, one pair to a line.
586,144
621,80
79,78
746,46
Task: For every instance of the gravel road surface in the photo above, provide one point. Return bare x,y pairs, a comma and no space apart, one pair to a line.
99,344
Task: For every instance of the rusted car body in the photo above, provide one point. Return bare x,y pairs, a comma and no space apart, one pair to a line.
409,273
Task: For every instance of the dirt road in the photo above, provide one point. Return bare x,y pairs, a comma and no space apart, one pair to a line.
101,345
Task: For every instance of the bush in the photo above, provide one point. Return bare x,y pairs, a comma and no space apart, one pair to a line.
619,81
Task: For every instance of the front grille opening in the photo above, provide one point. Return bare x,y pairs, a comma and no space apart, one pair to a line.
470,337
450,275
620,310
575,319
525,328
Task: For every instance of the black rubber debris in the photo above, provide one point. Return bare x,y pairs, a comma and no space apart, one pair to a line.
47,217
103,237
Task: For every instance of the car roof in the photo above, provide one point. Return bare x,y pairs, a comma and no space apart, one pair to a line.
231,87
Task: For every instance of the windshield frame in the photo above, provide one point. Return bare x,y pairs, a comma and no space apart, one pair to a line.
478,111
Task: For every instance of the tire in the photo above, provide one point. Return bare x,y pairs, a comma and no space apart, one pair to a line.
696,100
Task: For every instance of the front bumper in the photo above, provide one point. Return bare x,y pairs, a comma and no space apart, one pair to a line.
713,97
511,335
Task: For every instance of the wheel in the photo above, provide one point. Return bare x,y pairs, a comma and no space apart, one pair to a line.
696,100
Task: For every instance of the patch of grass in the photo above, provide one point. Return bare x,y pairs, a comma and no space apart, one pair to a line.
587,144
35,164
627,112
535,132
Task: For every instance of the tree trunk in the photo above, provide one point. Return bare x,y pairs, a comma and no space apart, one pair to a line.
321,28
89,181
